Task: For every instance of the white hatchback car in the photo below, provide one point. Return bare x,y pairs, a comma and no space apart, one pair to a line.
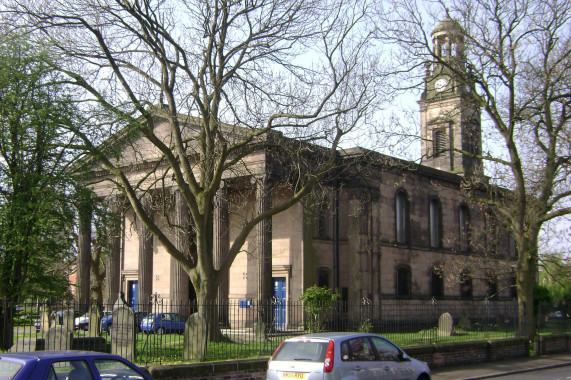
332,356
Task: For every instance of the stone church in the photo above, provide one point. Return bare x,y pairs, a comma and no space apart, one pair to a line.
390,231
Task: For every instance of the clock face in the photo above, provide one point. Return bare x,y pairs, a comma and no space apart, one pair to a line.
441,83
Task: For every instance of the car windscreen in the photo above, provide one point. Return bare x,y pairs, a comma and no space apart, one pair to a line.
302,351
9,369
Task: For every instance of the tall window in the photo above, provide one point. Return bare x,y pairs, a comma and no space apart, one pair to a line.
403,280
435,215
513,286
464,227
466,284
401,217
437,283
491,227
440,143
323,277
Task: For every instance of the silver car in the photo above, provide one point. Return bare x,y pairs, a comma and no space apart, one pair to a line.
329,356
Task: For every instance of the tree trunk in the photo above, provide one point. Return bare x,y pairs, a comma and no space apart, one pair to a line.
6,325
208,306
527,268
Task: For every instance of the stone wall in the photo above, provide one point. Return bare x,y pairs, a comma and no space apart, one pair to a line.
436,355
549,344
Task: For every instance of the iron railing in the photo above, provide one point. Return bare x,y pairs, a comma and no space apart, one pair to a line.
252,329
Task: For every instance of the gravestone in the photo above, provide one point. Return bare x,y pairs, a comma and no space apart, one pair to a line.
68,321
445,325
195,335
58,338
54,319
123,330
44,321
260,330
94,320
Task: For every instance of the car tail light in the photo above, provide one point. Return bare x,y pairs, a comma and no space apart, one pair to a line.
328,363
274,354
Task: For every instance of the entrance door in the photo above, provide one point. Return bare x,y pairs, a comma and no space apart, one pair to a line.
132,291
279,302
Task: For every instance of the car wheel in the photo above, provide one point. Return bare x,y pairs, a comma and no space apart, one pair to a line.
160,331
423,377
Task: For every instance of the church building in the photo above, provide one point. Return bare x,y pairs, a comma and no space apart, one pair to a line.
388,230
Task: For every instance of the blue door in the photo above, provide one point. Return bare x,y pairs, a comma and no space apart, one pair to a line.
279,302
132,290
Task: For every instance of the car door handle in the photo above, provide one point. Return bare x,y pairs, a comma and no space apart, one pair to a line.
357,368
387,368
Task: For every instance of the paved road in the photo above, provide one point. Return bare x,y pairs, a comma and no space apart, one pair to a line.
561,373
518,367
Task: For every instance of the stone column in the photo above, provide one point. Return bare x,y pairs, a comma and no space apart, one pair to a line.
221,247
179,280
145,278
264,240
113,275
84,255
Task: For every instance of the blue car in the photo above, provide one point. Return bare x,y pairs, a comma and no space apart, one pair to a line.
69,365
162,323
107,320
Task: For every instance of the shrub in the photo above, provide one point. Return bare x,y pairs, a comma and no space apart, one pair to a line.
317,302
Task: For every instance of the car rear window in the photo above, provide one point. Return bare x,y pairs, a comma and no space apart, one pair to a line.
9,369
303,351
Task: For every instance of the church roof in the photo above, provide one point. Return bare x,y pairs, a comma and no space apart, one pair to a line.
448,25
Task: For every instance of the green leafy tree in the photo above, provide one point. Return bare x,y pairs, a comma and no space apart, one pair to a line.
317,302
555,275
36,219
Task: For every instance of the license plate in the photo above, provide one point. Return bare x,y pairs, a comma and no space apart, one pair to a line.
293,375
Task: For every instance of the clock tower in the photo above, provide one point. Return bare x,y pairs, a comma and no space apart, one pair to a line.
450,119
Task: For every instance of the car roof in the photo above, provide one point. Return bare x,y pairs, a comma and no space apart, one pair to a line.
330,335
35,355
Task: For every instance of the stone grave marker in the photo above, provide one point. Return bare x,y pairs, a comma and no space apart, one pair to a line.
54,319
195,337
44,321
94,319
260,330
123,330
68,319
58,338
445,325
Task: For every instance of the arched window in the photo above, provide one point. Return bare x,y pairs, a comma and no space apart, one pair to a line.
492,288
464,234
323,277
435,222
401,217
403,280
466,284
436,283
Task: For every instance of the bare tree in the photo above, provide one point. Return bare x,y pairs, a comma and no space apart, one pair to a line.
518,59
238,70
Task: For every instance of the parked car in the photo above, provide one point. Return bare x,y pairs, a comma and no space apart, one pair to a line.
69,365
329,356
38,322
81,322
107,320
162,323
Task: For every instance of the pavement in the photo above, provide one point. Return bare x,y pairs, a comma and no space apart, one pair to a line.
487,370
